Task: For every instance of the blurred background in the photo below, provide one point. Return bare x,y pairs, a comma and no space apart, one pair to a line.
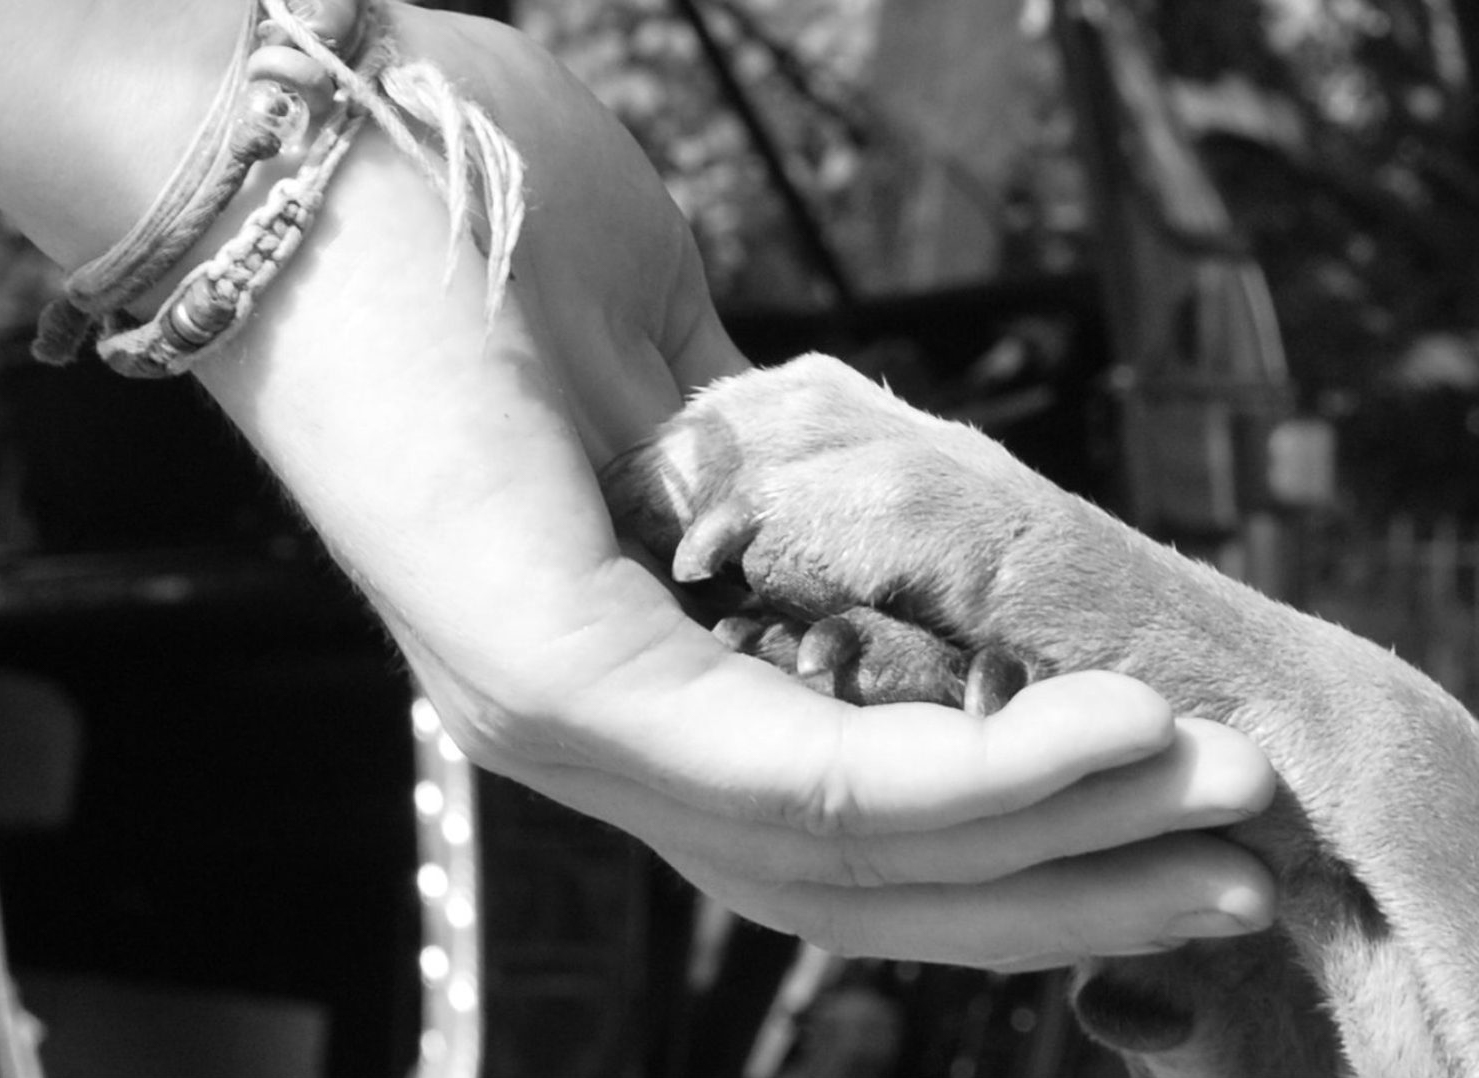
1208,262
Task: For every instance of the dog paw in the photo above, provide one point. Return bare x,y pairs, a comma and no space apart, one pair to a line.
865,656
828,494
1137,1017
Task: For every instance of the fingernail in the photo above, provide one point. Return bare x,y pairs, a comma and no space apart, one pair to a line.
1035,963
1208,923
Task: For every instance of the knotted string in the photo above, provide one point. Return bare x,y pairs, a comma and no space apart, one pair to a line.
204,181
216,298
474,154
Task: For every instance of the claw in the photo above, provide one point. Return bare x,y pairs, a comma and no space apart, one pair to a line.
994,678
770,636
828,645
777,642
738,633
715,539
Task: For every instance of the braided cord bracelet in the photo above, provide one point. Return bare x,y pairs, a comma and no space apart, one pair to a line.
239,129
300,67
216,297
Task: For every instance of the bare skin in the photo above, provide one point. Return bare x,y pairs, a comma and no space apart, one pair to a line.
453,476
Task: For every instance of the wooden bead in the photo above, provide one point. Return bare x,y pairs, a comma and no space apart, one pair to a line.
181,332
272,116
199,317
177,332
294,70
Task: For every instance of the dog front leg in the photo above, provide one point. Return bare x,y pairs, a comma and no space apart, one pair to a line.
830,494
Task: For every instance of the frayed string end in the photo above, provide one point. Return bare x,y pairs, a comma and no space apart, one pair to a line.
60,333
479,159
476,156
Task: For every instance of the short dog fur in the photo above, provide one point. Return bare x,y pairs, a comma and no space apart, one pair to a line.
860,518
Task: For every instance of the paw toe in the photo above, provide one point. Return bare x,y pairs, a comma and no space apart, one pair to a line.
739,633
897,661
828,646
994,677
1133,1017
769,636
717,538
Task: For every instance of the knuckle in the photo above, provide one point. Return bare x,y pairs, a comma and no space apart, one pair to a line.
833,813
856,863
824,811
828,809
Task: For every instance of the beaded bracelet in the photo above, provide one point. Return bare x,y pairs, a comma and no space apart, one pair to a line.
244,125
217,296
295,65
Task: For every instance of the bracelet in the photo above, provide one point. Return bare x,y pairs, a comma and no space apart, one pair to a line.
297,69
241,128
217,296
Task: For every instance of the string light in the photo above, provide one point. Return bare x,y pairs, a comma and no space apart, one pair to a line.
462,994
449,750
432,881
434,963
447,881
433,1045
424,722
459,911
456,828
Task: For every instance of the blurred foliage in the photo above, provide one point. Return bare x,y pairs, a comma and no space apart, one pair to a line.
807,66
644,61
1343,134
1351,167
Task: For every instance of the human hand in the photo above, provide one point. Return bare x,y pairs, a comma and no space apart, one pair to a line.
452,474
745,784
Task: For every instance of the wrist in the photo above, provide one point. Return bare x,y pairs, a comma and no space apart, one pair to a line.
97,104
285,67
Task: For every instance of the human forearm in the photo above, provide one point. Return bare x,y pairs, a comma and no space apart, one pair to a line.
97,103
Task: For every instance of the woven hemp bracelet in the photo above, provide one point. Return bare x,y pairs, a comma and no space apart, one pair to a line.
283,86
216,297
293,72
